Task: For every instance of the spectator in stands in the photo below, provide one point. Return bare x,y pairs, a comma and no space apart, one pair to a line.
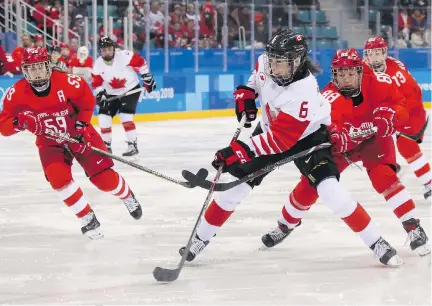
41,10
17,53
155,16
178,14
401,42
190,12
3,60
241,16
207,22
57,59
404,23
78,27
39,41
65,53
77,7
418,29
261,34
74,45
190,27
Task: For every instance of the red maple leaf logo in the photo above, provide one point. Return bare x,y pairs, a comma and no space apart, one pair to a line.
117,83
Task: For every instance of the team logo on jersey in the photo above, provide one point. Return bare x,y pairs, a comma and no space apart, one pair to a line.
262,78
116,83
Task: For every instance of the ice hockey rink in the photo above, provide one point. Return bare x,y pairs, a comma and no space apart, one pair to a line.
44,259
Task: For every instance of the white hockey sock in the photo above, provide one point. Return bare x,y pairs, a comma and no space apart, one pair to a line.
105,123
129,126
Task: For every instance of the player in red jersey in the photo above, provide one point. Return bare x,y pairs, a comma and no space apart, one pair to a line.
367,109
376,60
46,101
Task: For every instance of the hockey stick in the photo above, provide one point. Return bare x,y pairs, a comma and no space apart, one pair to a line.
124,95
170,275
203,183
203,173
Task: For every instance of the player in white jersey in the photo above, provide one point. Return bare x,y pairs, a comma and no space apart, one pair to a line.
294,119
114,75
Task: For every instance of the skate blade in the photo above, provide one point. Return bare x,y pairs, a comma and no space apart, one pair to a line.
395,262
423,250
94,235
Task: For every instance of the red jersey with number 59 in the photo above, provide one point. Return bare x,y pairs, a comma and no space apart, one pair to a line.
376,90
403,79
69,99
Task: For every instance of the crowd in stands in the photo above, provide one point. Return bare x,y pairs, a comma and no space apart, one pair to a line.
413,22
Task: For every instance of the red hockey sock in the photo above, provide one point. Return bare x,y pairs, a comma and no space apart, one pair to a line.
112,182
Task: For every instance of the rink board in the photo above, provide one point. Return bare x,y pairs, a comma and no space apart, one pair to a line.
191,95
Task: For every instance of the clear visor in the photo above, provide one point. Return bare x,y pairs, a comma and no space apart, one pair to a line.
280,67
37,74
348,80
375,58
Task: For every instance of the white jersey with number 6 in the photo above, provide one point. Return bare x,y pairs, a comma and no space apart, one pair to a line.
288,113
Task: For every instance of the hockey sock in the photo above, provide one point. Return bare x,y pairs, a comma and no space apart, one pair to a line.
385,182
73,197
105,123
112,182
129,126
293,212
220,209
351,212
411,151
60,178
400,202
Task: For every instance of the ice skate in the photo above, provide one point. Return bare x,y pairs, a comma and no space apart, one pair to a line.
132,149
108,145
386,254
427,190
196,247
276,235
91,226
417,237
133,206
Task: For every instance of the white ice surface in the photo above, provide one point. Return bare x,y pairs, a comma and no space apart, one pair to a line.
44,259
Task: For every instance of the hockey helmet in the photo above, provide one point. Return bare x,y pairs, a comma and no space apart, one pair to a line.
284,55
36,67
347,71
375,53
105,44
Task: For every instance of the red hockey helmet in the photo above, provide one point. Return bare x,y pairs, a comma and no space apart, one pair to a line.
347,71
36,67
375,53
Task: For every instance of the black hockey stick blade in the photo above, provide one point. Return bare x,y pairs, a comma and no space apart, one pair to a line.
166,275
202,173
197,181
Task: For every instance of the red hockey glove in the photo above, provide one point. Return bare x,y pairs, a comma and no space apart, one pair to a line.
384,119
237,153
245,103
340,139
82,135
30,121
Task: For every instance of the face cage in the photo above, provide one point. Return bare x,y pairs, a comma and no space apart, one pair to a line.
377,65
292,64
40,83
348,92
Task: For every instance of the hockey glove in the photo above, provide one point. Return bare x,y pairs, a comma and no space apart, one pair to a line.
101,98
384,119
30,121
237,153
245,103
149,82
340,139
83,136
